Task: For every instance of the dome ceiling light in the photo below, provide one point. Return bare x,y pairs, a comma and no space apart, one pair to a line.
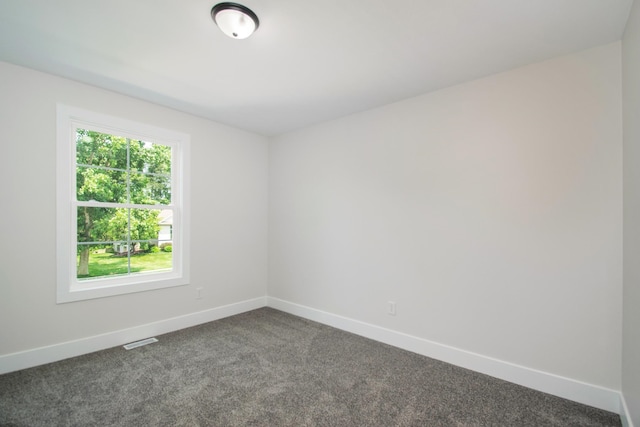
235,20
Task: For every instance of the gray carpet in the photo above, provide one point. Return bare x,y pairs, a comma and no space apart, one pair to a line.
268,368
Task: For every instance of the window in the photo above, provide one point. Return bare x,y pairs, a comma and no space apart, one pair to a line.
122,206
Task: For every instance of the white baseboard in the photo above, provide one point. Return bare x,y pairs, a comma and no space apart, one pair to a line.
588,394
567,388
625,416
40,356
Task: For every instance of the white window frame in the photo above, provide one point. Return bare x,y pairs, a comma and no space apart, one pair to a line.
69,288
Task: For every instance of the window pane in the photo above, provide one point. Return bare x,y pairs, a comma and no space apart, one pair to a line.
100,260
117,224
101,149
151,258
101,185
165,221
145,224
102,224
148,157
150,189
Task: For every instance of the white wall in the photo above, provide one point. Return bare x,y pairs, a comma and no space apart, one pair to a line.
228,216
490,212
631,309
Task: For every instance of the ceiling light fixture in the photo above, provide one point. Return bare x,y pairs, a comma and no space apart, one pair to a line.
235,20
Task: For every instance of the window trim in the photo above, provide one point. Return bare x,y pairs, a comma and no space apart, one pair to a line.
69,288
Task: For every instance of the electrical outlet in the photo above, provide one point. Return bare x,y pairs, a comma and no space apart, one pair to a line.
391,308
199,293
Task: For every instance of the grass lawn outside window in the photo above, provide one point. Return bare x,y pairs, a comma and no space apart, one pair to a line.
108,264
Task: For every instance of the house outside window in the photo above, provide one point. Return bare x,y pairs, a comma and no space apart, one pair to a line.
165,233
122,206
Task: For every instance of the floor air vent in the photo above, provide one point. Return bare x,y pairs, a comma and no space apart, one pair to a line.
140,343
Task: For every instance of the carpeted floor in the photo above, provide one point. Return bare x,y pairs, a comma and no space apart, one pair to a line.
268,368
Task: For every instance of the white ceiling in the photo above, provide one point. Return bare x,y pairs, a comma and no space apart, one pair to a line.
309,61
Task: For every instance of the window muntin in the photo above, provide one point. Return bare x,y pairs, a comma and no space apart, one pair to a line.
120,183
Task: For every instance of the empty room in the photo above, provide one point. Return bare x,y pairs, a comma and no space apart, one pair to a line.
336,213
